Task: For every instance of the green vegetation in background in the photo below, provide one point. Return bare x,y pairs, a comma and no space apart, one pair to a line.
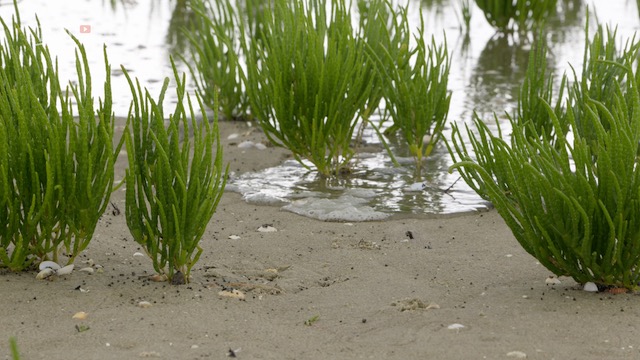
521,15
573,202
307,83
56,152
215,53
536,93
173,185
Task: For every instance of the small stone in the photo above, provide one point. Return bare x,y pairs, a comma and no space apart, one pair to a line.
158,277
590,287
145,304
517,354
233,136
81,315
260,146
194,346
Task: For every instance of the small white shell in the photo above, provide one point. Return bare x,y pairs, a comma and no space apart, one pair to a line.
88,270
144,304
234,237
45,274
49,265
590,287
455,326
138,254
260,146
233,136
517,354
267,228
65,270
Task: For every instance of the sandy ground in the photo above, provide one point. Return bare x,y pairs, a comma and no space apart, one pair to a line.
317,290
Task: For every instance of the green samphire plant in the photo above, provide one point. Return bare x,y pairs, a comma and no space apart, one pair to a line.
308,81
56,152
571,196
415,91
174,182
520,15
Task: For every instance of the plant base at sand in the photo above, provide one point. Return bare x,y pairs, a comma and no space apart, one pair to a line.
571,195
174,182
56,153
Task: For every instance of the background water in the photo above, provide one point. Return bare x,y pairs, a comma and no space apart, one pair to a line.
487,70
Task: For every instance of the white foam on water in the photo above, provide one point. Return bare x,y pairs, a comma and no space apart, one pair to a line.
344,208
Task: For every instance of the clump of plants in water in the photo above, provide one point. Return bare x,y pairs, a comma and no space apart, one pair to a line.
174,182
571,192
307,82
415,91
519,15
313,79
56,152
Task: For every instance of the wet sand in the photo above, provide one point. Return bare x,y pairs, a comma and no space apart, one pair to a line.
316,290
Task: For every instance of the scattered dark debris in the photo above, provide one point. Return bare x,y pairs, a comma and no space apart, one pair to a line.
409,234
115,211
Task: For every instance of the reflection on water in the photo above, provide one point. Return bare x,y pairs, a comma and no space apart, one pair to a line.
486,73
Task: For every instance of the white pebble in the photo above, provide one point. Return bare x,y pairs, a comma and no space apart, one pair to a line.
517,354
234,237
590,287
233,136
144,304
260,146
455,326
194,346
